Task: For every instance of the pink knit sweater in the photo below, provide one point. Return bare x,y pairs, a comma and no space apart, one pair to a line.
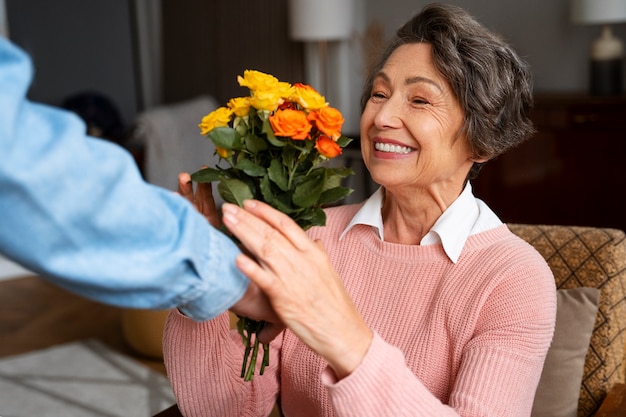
465,339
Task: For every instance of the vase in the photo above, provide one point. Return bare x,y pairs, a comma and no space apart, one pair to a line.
143,331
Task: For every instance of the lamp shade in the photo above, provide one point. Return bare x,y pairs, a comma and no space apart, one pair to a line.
598,11
320,20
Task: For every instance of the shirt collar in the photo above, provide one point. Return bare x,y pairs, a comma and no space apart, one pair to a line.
466,216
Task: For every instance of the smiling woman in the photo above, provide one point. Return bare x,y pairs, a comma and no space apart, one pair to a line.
401,304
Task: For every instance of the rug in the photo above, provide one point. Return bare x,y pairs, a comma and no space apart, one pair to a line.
80,379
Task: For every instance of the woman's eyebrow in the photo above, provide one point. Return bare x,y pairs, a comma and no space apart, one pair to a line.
420,79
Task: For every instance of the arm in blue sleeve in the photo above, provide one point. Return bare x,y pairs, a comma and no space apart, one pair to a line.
76,210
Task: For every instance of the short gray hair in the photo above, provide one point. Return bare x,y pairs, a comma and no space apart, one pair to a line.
491,82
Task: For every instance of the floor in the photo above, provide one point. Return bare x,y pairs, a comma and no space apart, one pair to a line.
35,314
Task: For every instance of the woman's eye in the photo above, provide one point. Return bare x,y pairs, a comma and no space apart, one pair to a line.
419,101
377,95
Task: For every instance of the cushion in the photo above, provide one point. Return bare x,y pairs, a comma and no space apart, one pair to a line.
590,257
559,386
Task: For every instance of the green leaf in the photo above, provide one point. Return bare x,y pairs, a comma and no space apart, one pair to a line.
308,191
269,133
282,201
277,174
250,168
255,144
226,137
266,190
235,191
334,194
343,141
206,175
313,216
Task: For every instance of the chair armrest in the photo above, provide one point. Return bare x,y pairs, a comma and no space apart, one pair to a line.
614,405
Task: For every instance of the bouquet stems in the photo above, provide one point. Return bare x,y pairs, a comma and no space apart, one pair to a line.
249,329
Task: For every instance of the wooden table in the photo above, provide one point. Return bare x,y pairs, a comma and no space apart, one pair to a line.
35,314
615,403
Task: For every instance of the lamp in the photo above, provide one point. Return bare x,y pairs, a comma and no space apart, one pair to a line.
607,52
318,22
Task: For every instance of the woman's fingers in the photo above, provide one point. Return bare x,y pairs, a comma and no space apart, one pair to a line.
260,225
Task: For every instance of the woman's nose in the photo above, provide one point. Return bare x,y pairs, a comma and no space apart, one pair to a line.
388,115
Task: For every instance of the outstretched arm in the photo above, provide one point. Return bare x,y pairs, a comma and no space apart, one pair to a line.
76,210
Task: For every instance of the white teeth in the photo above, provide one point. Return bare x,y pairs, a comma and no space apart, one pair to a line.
387,147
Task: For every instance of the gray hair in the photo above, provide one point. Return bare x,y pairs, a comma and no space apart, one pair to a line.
491,82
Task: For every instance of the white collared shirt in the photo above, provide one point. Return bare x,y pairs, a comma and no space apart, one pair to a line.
466,216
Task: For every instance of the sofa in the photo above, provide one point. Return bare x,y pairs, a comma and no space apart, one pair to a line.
585,370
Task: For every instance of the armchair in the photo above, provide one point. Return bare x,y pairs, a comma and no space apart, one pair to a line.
590,257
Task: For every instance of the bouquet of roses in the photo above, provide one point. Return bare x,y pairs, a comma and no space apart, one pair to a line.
274,143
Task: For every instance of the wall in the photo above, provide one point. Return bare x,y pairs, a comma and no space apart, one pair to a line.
78,45
540,31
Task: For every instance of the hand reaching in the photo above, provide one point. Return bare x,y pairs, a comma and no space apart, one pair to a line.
303,287
254,304
202,198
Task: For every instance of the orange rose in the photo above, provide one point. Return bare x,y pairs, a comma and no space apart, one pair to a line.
329,120
290,124
327,147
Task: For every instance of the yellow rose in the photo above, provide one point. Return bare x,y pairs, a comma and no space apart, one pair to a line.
257,81
240,106
307,97
285,90
217,118
328,120
327,147
290,123
224,153
266,100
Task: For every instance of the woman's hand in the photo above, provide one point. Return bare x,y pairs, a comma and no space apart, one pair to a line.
306,292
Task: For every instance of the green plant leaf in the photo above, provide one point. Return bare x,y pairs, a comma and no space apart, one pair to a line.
226,137
309,190
206,175
343,141
269,133
334,194
249,167
235,191
255,144
313,216
277,174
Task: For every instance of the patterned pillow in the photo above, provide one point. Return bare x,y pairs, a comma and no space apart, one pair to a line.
596,258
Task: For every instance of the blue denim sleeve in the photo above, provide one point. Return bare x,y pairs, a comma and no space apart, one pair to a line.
76,210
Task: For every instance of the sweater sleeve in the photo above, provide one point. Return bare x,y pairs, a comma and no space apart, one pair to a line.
203,362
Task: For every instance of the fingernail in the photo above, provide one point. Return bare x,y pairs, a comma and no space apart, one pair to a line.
229,208
229,218
249,203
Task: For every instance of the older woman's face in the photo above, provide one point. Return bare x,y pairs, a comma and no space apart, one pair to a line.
410,124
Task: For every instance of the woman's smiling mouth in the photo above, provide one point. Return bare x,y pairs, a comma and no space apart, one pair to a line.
391,148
